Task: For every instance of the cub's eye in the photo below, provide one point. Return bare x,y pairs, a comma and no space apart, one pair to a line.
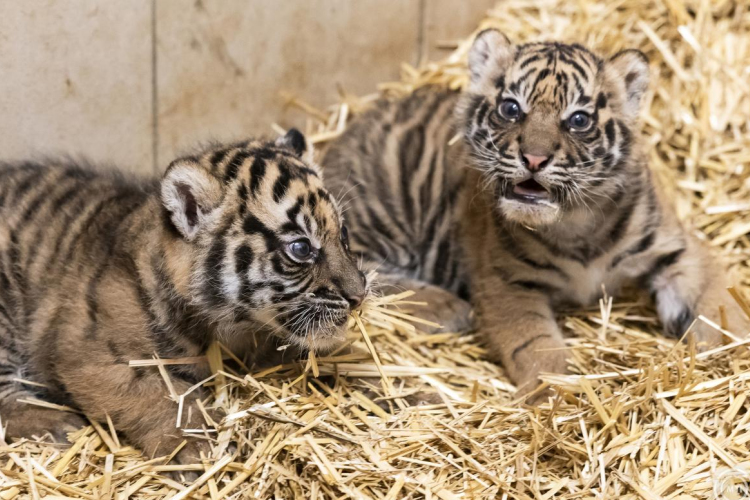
301,249
510,110
579,121
345,237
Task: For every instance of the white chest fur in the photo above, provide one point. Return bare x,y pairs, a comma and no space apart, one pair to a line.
586,283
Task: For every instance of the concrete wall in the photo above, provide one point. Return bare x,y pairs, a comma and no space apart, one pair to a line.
136,82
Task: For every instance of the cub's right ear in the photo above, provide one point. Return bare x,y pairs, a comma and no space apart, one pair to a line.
490,48
189,193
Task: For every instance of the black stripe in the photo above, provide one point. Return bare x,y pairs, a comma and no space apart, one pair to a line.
217,157
234,165
509,244
529,60
536,286
42,230
110,232
441,261
643,244
70,220
120,358
243,257
620,227
663,262
257,173
33,206
411,149
214,266
27,183
527,343
578,68
609,131
474,102
281,184
252,225
292,214
601,100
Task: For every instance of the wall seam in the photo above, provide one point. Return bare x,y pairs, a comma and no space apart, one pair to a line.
154,93
421,32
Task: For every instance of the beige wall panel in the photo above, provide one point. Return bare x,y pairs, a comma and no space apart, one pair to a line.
76,79
222,64
450,20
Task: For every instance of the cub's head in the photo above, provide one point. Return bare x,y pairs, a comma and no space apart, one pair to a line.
264,242
551,126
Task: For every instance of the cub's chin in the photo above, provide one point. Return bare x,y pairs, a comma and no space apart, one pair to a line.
528,202
531,213
320,331
321,341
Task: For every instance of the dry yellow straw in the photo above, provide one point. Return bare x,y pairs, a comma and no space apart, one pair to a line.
640,417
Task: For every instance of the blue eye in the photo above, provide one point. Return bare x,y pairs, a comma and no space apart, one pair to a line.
510,109
301,249
579,121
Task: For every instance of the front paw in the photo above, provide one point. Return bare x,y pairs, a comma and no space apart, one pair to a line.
37,421
706,337
530,387
191,454
453,314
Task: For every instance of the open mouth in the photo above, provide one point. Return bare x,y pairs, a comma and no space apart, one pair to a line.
529,191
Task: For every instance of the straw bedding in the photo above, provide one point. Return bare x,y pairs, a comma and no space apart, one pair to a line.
642,417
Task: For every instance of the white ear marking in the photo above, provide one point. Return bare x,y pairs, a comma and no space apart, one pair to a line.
189,193
629,70
490,47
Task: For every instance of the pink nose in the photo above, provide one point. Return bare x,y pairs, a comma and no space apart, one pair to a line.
534,163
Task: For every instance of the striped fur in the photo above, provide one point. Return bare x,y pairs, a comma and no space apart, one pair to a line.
547,199
97,269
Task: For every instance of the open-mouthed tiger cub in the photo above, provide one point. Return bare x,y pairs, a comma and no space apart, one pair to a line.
547,198
240,243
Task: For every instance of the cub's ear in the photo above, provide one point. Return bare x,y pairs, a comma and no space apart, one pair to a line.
189,193
629,71
490,48
297,142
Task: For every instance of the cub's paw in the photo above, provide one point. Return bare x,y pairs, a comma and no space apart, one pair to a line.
190,455
452,313
706,337
530,389
34,421
370,387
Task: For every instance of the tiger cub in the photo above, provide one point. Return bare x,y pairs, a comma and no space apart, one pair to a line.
547,198
240,243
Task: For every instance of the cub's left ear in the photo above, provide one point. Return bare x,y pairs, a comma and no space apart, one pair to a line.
297,142
629,70
491,50
189,194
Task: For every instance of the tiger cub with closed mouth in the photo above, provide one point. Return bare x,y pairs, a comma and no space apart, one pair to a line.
239,243
547,198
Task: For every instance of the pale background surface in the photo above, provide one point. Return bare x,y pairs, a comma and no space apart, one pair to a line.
137,82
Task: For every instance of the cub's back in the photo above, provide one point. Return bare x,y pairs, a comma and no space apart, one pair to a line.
55,215
400,186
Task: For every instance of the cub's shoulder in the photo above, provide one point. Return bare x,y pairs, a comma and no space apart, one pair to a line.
417,106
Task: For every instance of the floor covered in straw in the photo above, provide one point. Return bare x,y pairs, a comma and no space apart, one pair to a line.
642,417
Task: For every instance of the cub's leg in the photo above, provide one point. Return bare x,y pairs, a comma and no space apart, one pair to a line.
519,328
22,420
443,307
138,403
687,283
